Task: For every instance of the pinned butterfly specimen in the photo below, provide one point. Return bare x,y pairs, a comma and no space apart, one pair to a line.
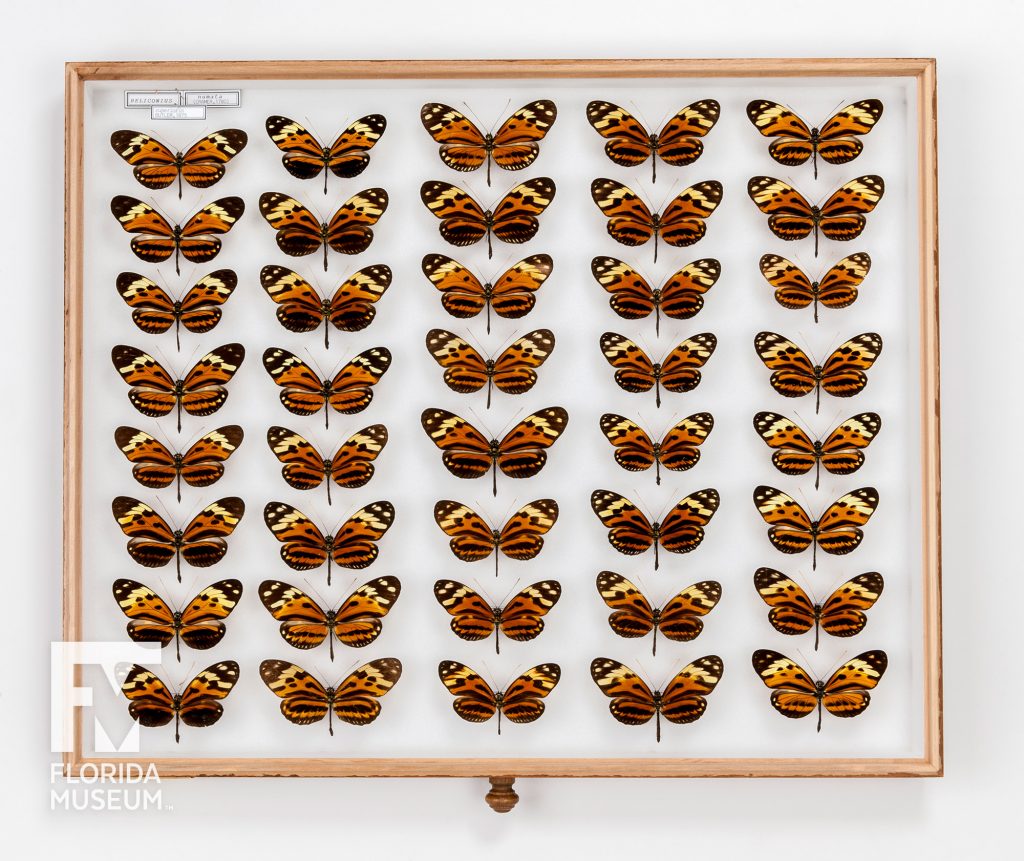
837,532
795,375
841,614
352,545
300,232
678,450
796,694
156,466
305,157
510,296
836,289
348,392
151,702
305,468
300,308
472,539
633,298
837,141
157,166
476,701
840,217
631,533
466,222
195,240
154,311
354,700
475,618
631,222
356,621
521,453
677,144
155,392
633,616
633,703
199,624
678,372
513,146
153,543
512,372
841,452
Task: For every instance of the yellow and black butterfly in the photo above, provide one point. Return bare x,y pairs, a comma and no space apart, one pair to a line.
475,618
836,141
678,372
354,700
300,232
796,693
837,532
199,624
514,146
356,621
633,703
633,615
476,701
305,157
195,240
630,144
836,289
636,451
151,703
154,311
841,614
157,166
466,222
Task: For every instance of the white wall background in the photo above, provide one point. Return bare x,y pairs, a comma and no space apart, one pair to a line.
972,812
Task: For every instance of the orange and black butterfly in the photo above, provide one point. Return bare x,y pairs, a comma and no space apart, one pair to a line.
630,144
796,693
300,308
836,141
836,289
352,545
795,375
840,217
356,621
512,372
200,392
156,466
305,157
475,618
678,372
353,700
473,540
300,232
631,222
476,701
837,532
153,543
514,146
157,166
679,298
633,703
631,533
678,450
199,624
521,453
841,452
510,296
841,614
305,468
151,702
195,240
348,392
466,222
633,615
154,311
